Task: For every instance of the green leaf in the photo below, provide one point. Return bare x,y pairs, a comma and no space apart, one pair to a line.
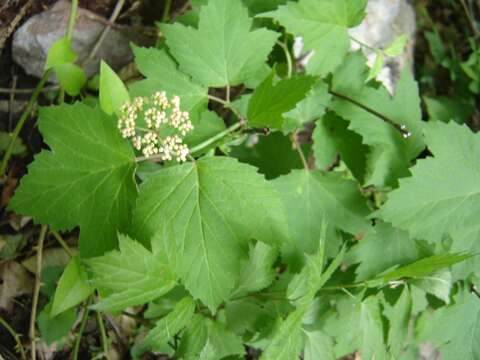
377,66
323,24
72,288
371,325
439,284
286,343
71,77
397,47
162,74
211,208
318,345
399,320
86,178
309,109
382,248
311,196
206,339
444,109
269,101
167,327
112,93
54,328
206,126
331,137
458,340
60,53
273,154
431,212
222,51
258,6
133,275
258,272
368,109
420,268
19,147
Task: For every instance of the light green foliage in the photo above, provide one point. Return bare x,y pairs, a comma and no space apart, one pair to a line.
161,73
430,212
269,101
93,171
212,199
54,328
456,328
377,66
318,345
168,326
223,50
399,317
61,58
371,327
113,93
323,24
133,275
72,288
397,46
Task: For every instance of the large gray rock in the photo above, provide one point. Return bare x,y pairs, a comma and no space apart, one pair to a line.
385,21
33,39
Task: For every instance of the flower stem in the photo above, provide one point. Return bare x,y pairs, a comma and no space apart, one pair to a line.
82,328
71,20
217,137
288,56
166,10
103,334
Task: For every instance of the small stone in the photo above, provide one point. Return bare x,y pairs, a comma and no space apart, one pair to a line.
33,39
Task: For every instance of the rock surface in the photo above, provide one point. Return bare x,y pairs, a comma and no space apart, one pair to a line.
385,21
33,39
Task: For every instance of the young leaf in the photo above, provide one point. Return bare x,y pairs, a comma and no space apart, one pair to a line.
113,93
203,202
161,73
60,53
323,24
167,327
430,213
85,179
71,77
270,101
377,66
133,274
222,51
310,196
455,330
54,328
72,288
397,46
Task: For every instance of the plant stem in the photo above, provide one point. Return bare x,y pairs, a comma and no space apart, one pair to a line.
218,100
81,329
103,334
400,128
166,10
21,122
71,20
36,291
300,152
362,44
217,137
62,242
288,56
14,334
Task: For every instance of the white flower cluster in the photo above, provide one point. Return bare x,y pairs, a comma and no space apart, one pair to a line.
166,126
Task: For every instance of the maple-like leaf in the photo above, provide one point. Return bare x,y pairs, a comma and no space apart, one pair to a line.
86,178
209,210
323,25
223,50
